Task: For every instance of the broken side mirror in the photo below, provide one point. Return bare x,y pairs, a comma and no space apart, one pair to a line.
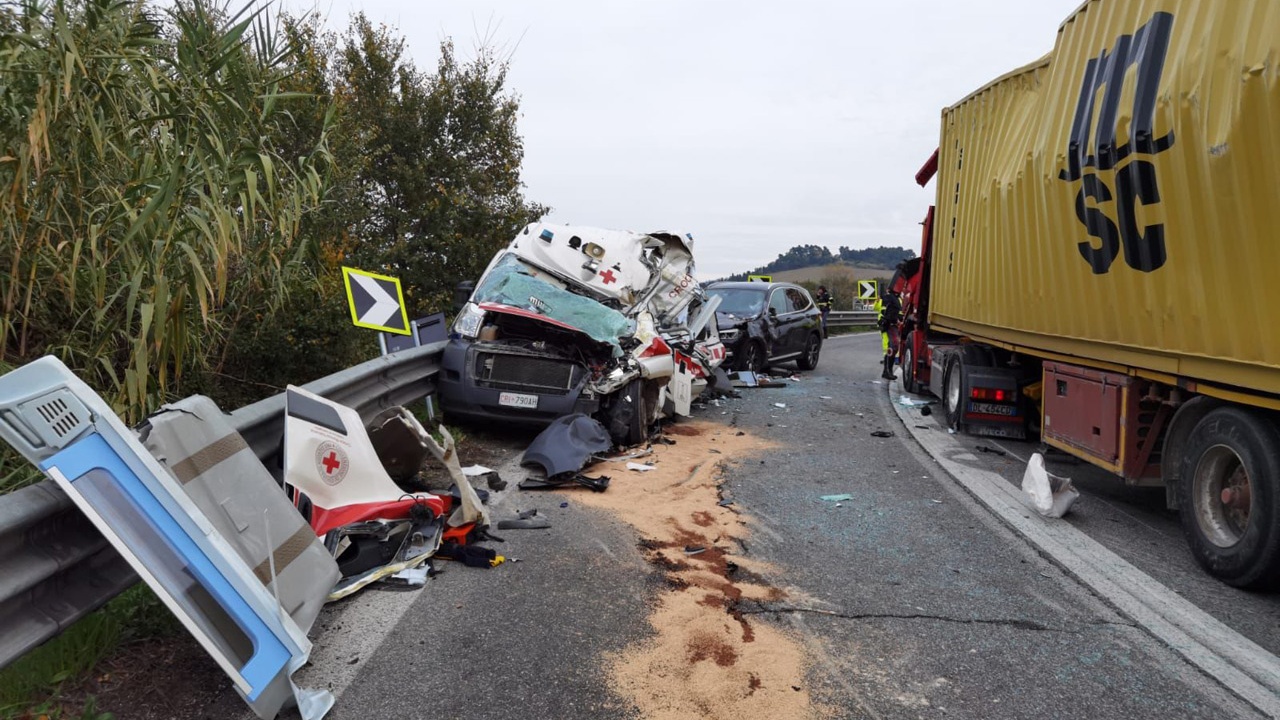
773,312
461,294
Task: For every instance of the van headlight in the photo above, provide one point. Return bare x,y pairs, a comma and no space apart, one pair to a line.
469,321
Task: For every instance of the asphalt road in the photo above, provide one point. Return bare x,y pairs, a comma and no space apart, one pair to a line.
1134,523
910,599
926,606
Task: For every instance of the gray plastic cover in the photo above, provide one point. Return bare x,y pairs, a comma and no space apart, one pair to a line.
567,444
219,472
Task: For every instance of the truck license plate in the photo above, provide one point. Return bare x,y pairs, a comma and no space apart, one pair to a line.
518,400
991,409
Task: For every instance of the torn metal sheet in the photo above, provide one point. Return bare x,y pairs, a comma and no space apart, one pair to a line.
631,269
379,549
330,460
567,445
192,439
470,509
58,423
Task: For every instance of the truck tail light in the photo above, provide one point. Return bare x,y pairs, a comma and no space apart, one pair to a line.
991,395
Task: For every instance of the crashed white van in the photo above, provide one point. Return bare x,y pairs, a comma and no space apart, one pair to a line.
574,319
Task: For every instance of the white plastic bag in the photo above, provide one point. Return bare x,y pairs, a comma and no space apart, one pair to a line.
1050,495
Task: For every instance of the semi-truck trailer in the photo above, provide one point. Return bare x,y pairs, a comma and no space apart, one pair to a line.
1101,263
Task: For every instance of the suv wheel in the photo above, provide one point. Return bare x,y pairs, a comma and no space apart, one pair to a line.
809,359
752,357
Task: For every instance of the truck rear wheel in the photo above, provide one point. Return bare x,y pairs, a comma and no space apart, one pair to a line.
1228,497
953,391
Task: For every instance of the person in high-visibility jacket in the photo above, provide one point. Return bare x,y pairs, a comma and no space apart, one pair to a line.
824,301
890,313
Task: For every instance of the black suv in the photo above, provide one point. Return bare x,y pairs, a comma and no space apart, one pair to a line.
763,324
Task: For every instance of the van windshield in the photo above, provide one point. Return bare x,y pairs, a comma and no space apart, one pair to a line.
512,282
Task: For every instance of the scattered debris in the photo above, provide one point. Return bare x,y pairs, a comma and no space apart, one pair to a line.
824,397
910,402
639,467
748,379
926,411
627,456
694,549
725,503
1051,495
882,433
527,520
414,577
780,405
991,450
596,484
471,555
490,476
837,498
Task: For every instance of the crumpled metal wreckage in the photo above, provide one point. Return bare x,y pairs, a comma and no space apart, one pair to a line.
571,319
373,528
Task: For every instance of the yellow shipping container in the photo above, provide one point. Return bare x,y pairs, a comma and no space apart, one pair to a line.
1119,200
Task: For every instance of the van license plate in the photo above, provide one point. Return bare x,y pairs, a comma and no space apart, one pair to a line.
518,400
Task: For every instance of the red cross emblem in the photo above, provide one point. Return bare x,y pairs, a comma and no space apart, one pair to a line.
607,276
331,462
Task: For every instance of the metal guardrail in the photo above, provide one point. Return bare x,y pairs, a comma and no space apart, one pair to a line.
851,318
55,567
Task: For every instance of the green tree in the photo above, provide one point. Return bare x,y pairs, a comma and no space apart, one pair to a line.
424,185
440,171
145,212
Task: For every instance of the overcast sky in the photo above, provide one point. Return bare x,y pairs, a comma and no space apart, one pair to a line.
753,125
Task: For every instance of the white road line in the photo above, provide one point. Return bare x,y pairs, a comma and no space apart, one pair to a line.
1238,663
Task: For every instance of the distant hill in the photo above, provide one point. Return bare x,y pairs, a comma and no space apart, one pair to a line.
814,259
